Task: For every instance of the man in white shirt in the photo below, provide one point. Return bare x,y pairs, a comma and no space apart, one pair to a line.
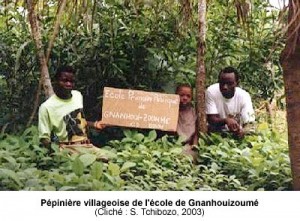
228,107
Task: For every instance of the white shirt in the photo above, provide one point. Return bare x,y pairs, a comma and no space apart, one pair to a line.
239,106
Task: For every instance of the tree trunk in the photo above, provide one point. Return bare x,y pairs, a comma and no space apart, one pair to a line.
290,61
200,79
35,31
58,18
50,46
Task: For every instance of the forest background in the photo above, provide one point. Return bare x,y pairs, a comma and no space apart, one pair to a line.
148,45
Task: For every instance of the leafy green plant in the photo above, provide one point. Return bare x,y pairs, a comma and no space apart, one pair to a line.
144,162
259,162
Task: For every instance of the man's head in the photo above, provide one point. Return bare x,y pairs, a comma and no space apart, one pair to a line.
64,81
185,93
228,80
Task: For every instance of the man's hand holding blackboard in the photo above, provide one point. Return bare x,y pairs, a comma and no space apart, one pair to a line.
99,125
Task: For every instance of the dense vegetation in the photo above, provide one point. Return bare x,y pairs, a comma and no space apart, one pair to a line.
126,44
143,162
149,45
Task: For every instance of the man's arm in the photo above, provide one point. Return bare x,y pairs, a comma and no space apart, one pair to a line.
98,125
216,120
44,127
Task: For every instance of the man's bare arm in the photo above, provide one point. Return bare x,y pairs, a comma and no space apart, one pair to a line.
216,120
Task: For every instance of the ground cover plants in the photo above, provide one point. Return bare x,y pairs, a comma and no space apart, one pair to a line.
145,162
